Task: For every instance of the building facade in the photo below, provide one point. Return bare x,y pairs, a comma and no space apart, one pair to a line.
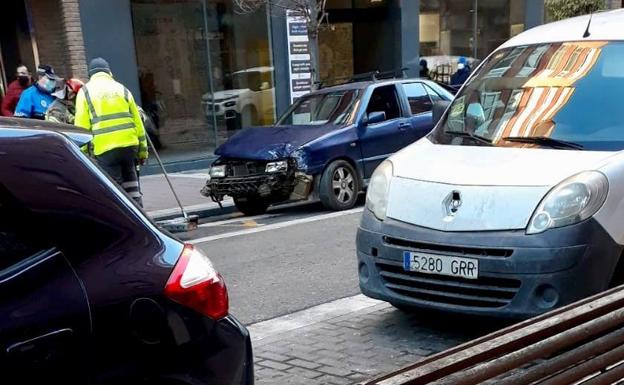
203,70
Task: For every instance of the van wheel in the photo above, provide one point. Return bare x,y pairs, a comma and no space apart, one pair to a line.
339,186
251,205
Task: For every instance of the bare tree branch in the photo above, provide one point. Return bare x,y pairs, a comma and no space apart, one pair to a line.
314,11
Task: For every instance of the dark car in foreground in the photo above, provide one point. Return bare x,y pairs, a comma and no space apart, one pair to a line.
91,291
326,146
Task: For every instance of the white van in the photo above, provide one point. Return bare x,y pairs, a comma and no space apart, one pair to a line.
513,205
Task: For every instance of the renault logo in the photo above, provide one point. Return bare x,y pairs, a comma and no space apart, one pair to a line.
452,203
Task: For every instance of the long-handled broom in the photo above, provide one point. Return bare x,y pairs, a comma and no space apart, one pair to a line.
186,222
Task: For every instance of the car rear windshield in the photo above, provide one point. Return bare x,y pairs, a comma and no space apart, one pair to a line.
334,107
560,95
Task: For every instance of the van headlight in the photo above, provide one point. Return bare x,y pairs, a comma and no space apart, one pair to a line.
377,194
572,201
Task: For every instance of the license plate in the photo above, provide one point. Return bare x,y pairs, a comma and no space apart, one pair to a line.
441,264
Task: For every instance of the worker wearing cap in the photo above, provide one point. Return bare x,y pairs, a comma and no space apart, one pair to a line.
35,100
107,109
462,74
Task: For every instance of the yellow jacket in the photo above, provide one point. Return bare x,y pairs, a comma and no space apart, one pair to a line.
107,109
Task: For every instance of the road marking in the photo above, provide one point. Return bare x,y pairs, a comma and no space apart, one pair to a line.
275,226
178,175
313,315
193,208
239,218
250,223
192,176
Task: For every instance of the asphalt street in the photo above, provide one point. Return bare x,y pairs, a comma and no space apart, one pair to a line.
292,278
289,259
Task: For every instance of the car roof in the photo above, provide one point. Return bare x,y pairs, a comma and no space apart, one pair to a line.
364,84
77,135
604,26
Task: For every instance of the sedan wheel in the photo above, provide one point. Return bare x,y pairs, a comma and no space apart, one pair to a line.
339,186
343,185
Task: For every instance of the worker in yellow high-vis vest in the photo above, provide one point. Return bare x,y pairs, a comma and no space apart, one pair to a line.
107,109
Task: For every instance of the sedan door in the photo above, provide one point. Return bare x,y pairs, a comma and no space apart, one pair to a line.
420,106
380,139
44,314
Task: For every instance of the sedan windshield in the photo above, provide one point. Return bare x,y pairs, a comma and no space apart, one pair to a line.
557,95
334,107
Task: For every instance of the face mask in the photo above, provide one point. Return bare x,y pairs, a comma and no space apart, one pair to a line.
49,85
460,66
60,94
23,80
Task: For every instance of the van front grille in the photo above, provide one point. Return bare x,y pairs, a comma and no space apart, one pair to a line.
483,292
448,249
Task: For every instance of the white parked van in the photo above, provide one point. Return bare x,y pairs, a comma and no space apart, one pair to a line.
514,204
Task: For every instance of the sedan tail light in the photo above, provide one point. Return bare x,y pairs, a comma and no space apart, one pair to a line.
196,284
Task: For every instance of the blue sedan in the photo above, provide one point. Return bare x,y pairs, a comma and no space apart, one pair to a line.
325,146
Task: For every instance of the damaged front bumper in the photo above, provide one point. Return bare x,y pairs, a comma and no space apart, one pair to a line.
249,178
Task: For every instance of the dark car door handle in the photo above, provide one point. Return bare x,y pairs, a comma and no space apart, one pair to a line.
404,126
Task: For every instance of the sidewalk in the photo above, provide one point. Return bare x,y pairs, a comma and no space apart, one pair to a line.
159,202
351,340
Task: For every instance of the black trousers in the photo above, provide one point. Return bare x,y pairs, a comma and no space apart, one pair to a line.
120,165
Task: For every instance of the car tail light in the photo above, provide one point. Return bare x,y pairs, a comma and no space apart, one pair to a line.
196,284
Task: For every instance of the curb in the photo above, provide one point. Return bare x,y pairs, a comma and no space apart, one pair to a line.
202,211
179,166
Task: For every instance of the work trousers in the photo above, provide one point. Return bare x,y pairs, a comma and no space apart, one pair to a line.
120,164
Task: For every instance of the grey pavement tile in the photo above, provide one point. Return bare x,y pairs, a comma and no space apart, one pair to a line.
272,356
303,363
312,357
290,379
355,347
278,348
327,379
330,361
334,370
332,332
266,373
356,377
274,365
303,372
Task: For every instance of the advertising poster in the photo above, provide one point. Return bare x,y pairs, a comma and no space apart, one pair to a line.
299,62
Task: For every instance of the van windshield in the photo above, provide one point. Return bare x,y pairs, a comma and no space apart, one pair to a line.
566,95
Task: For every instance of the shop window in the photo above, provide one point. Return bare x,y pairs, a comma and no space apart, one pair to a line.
205,71
448,31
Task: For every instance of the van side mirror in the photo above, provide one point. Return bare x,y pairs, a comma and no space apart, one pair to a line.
439,106
374,117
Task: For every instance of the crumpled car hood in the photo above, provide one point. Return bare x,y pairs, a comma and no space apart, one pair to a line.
270,143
